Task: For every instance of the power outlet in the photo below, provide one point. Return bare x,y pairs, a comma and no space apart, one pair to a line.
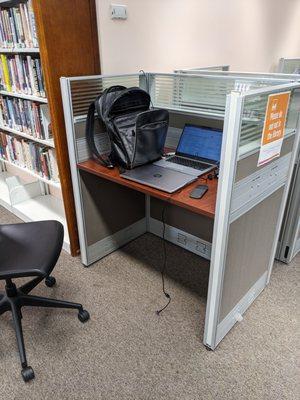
118,11
181,238
201,247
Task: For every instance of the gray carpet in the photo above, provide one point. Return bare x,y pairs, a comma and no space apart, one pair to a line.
126,352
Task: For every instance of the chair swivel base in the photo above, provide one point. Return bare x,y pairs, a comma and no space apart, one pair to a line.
15,298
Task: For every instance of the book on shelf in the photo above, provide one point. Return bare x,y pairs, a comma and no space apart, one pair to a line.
25,116
29,155
46,121
17,26
22,74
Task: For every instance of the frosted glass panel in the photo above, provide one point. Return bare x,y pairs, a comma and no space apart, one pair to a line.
84,91
204,95
237,75
254,117
291,66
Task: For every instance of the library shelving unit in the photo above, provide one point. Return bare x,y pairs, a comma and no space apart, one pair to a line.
67,44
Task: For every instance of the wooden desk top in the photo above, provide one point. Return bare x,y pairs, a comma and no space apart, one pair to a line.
204,206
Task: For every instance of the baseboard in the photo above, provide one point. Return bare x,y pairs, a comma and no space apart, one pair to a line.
111,243
236,313
181,238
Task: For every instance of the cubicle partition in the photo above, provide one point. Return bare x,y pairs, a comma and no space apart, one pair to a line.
289,66
224,67
238,74
239,238
289,240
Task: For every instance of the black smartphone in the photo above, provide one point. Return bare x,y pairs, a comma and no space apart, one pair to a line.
198,192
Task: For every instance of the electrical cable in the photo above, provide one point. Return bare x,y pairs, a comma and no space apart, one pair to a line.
164,266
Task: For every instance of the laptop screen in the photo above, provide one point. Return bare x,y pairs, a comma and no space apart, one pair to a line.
201,143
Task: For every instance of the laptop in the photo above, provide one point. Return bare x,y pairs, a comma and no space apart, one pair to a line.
165,179
198,151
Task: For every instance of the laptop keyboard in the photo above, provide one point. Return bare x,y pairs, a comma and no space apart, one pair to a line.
188,163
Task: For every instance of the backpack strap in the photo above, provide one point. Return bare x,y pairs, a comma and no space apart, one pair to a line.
89,131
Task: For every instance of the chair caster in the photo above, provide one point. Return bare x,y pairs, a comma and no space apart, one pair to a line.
27,374
50,281
83,316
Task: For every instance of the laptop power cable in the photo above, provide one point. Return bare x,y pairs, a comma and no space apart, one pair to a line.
164,266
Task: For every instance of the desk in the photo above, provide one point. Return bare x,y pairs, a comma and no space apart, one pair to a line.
204,206
239,227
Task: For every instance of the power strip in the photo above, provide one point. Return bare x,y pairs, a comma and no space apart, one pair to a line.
181,238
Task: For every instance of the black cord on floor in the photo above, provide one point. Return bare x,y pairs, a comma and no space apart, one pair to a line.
164,261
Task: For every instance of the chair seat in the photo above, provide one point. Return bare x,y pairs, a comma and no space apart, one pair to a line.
29,249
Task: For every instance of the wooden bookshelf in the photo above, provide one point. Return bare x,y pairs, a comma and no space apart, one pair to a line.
16,50
24,96
68,46
48,143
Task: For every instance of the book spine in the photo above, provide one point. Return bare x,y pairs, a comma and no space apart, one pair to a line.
32,23
6,73
35,78
14,39
54,168
18,27
31,77
15,86
5,111
39,77
1,112
19,74
3,31
8,29
24,25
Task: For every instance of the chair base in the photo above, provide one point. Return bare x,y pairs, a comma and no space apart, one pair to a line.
15,298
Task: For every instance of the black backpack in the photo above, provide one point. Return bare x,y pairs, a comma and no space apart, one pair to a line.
137,134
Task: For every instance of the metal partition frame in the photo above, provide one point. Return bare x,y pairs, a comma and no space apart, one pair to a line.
289,241
87,88
172,91
239,74
210,68
203,93
236,214
289,66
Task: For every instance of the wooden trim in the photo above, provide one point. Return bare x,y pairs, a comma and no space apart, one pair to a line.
94,34
68,46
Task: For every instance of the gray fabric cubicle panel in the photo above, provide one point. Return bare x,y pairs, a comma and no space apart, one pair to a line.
197,225
245,263
249,248
105,214
103,223
289,240
178,120
80,128
248,165
250,205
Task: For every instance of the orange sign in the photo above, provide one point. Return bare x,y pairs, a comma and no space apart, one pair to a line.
274,126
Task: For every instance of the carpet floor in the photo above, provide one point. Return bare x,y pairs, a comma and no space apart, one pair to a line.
126,351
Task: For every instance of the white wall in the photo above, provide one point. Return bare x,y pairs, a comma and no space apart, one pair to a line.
160,35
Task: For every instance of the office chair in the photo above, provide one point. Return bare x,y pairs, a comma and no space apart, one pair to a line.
30,250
